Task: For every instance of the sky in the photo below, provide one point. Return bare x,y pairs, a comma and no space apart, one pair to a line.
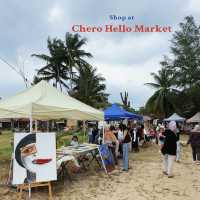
124,59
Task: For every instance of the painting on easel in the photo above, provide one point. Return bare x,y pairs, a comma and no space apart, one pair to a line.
34,158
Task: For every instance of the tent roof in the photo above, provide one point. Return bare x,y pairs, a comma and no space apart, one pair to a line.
115,112
175,117
195,118
43,101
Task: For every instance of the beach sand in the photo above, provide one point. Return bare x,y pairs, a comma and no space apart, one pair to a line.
144,181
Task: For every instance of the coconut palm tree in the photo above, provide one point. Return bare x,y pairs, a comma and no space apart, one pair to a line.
89,87
63,60
160,102
75,55
55,68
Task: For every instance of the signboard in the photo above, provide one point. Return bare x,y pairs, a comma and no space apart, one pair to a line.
107,157
34,158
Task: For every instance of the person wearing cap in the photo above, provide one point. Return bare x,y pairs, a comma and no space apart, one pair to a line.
194,141
169,148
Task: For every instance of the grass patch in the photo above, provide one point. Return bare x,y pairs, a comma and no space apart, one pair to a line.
5,145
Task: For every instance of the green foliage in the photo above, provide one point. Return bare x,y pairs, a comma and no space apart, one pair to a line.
89,87
181,71
67,68
190,101
5,145
64,138
125,101
55,68
186,54
160,102
142,111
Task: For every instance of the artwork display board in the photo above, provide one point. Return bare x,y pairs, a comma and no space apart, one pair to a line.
34,158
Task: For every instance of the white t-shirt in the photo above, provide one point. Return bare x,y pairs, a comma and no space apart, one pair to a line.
90,131
74,143
120,135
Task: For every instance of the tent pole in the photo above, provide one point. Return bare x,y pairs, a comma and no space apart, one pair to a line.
103,132
47,125
84,131
31,121
36,126
31,124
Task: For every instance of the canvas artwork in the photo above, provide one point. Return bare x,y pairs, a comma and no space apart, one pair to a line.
34,158
107,157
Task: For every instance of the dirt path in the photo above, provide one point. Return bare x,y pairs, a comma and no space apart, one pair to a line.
144,181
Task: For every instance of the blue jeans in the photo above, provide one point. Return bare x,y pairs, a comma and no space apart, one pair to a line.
178,151
125,156
90,138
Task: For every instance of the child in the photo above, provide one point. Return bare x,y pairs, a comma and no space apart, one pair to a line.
74,141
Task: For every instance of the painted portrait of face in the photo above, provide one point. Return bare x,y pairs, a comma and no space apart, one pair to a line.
26,157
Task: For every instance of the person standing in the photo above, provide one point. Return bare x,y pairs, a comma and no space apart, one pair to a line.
161,136
120,137
112,142
90,134
135,139
126,141
169,149
194,141
94,133
178,148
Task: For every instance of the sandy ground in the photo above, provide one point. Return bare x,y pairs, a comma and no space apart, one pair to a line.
144,181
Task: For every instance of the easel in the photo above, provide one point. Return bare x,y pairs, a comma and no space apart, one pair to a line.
28,186
102,161
9,180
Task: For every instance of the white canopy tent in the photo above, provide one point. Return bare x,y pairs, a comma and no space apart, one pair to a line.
175,117
44,102
194,119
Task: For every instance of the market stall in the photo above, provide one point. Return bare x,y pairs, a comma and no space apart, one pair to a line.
115,113
43,102
194,119
175,117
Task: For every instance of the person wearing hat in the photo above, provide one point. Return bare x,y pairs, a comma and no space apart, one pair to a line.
194,141
169,148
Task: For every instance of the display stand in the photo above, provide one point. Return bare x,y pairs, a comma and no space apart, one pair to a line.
10,176
102,161
28,186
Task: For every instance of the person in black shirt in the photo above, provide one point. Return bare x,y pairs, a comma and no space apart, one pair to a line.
169,148
194,141
135,139
126,141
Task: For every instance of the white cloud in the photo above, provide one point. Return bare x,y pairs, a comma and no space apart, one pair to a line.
130,50
130,78
194,6
125,60
55,14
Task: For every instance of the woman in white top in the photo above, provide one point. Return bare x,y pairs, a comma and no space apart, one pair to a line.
120,136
